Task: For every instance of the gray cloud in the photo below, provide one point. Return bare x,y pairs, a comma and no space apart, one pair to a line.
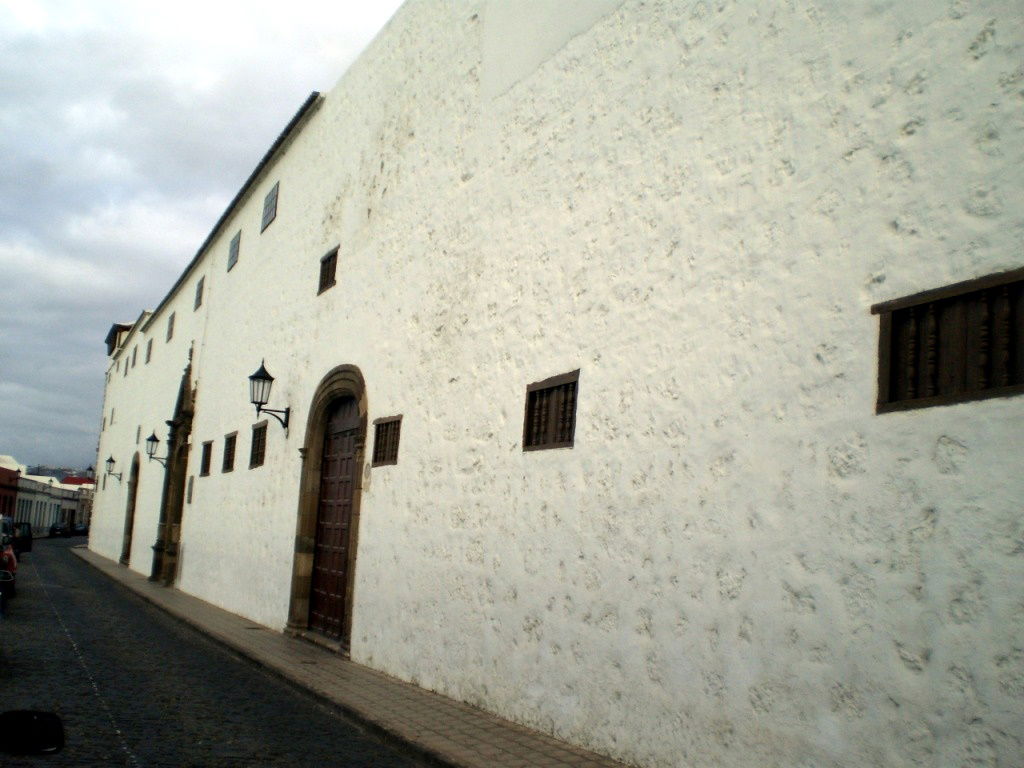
117,121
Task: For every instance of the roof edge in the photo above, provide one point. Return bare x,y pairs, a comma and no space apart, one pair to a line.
313,100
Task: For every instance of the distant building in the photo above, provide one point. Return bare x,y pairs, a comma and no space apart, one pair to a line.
10,470
43,501
653,375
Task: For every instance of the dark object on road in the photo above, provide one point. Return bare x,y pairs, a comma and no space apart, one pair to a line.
80,529
28,732
22,541
58,529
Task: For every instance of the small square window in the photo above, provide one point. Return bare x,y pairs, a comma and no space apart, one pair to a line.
170,327
550,420
259,445
328,267
270,206
233,249
229,452
149,351
199,293
204,464
385,440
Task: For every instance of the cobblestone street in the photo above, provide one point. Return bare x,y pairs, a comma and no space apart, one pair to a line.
135,687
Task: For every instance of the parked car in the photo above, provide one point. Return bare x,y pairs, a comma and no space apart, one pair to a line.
80,529
58,529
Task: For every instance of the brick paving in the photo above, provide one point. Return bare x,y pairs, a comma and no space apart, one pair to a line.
441,730
135,687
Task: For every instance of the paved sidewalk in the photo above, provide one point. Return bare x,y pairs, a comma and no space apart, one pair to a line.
440,729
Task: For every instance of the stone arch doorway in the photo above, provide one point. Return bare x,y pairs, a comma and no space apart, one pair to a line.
327,531
129,512
172,500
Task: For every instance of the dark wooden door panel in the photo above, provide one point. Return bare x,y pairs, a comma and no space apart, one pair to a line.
334,519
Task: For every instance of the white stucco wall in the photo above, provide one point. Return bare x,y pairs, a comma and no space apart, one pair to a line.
739,563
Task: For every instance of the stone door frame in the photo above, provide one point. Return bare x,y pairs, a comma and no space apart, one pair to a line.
343,381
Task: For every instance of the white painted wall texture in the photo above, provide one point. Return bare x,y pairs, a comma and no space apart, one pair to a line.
739,563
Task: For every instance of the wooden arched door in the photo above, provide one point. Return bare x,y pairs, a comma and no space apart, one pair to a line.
339,475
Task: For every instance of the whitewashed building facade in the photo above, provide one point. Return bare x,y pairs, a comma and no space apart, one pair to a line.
765,263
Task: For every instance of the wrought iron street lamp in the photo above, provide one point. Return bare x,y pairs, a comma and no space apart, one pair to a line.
110,469
151,443
259,394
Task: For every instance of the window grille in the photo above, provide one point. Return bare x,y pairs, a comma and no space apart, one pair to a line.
961,342
550,419
228,463
385,440
236,241
328,268
270,206
204,464
259,445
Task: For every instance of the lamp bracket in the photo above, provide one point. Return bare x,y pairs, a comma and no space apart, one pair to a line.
275,413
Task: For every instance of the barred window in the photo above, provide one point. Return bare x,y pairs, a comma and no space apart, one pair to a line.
236,241
204,464
328,268
385,440
962,342
270,206
550,420
259,445
228,463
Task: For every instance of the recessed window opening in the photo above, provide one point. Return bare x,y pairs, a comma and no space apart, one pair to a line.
270,206
328,268
953,344
233,249
149,351
204,463
550,418
170,327
199,293
259,445
229,452
385,440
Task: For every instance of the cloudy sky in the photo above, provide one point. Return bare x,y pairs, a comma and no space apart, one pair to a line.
126,127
